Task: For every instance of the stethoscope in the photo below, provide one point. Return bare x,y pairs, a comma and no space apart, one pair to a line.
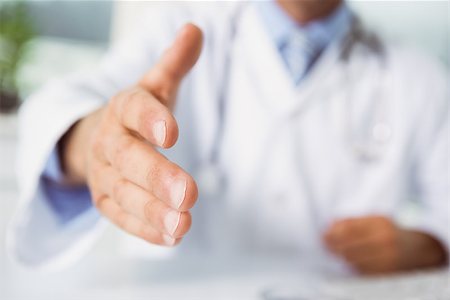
380,134
366,151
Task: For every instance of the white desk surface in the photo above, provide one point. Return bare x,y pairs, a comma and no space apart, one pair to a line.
103,275
112,279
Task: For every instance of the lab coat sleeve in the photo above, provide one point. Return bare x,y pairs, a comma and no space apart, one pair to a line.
36,236
431,160
67,201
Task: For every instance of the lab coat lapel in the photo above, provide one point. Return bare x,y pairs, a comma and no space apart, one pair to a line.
280,101
280,95
265,64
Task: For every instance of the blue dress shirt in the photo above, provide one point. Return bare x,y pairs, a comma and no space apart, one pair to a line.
66,201
69,202
317,34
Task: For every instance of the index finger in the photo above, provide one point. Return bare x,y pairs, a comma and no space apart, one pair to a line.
140,112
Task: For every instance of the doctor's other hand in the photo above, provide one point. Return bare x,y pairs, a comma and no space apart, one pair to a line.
113,151
376,245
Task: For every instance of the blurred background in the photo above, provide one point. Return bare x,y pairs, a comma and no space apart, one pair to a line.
40,40
43,39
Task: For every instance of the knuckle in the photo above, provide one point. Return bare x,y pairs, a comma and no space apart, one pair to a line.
141,234
119,190
122,151
343,226
386,238
135,96
128,97
120,96
121,220
96,144
384,223
92,175
148,235
144,234
123,101
152,173
149,210
390,238
117,102
162,92
97,200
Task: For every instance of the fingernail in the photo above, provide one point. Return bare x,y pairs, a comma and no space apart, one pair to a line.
159,132
178,192
168,240
171,221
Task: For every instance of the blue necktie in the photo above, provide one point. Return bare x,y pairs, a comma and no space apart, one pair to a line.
299,53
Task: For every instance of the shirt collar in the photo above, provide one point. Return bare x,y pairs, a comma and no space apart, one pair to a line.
321,32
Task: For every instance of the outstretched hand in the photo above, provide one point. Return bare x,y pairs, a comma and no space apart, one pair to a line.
113,151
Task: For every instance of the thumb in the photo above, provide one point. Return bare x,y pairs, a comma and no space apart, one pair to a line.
165,77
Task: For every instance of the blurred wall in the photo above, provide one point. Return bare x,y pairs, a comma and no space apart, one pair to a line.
422,24
77,20
71,35
75,33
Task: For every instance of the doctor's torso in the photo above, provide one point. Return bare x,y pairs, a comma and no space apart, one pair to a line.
286,157
365,132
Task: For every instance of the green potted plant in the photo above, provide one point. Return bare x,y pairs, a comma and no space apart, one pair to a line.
15,31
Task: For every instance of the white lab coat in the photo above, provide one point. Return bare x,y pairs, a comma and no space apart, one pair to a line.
288,167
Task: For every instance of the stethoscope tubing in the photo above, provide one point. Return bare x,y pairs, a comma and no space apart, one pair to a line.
356,34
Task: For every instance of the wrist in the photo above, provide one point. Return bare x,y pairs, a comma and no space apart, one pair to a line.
73,148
